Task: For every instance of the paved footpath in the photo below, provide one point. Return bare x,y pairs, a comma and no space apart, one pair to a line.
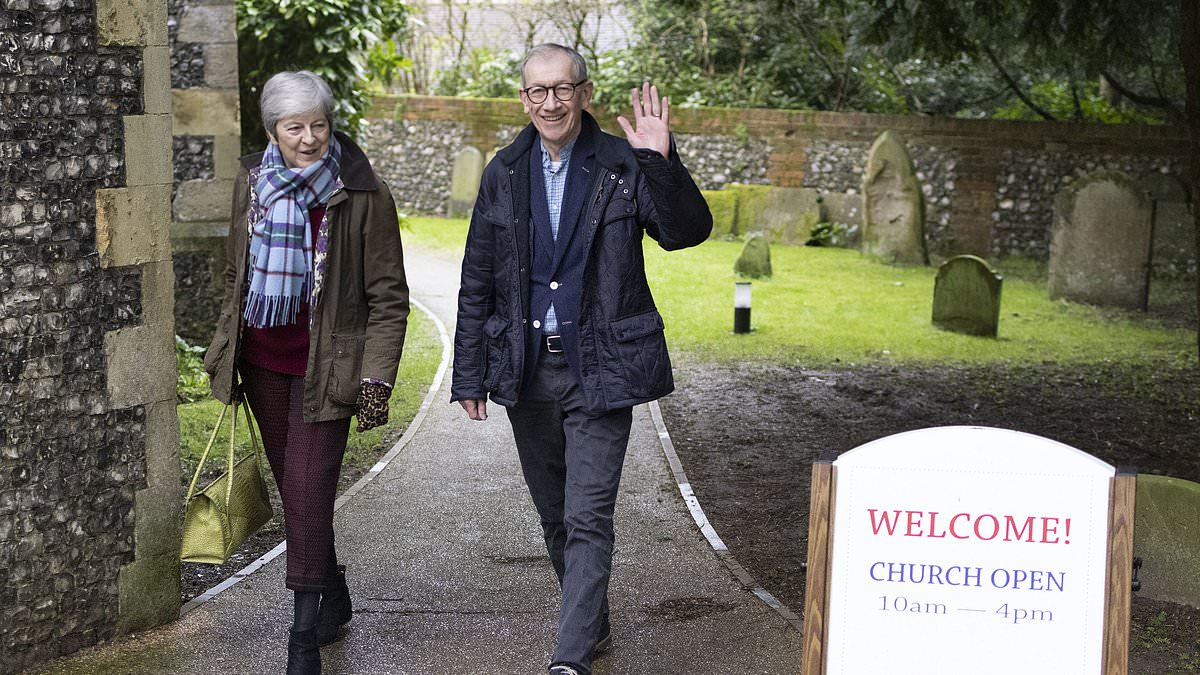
449,575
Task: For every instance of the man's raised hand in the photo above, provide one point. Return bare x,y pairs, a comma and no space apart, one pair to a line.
651,116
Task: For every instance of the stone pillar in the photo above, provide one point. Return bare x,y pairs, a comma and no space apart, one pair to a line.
207,140
90,500
133,232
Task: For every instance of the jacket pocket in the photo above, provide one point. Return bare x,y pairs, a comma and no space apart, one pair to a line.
345,370
642,350
215,354
495,350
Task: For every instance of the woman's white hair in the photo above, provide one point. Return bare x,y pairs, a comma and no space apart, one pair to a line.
294,93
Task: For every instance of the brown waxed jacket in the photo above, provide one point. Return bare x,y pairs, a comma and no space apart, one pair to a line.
361,313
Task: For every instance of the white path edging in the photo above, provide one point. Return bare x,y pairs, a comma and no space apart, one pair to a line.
434,387
706,528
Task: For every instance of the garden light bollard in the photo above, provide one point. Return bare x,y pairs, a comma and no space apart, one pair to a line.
741,307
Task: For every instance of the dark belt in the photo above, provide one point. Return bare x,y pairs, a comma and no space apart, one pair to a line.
552,343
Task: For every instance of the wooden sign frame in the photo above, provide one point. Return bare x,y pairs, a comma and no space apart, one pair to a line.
1119,574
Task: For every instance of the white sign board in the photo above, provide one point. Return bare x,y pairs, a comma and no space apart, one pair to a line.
968,550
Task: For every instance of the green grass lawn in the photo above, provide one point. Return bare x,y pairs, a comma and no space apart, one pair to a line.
827,305
422,353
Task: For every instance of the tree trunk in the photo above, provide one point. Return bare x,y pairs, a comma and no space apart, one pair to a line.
1189,54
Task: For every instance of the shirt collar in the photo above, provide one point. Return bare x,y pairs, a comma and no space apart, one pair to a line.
564,154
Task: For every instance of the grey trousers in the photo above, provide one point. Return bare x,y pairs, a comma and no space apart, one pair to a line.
572,462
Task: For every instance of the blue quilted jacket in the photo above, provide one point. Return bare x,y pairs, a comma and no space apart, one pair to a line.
620,352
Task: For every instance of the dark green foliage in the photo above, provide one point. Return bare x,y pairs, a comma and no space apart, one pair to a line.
484,73
343,41
192,384
1107,61
771,53
1065,48
833,234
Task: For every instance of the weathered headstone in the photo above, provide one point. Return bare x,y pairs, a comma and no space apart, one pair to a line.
893,205
790,214
1166,538
1100,247
1173,251
464,181
755,260
966,297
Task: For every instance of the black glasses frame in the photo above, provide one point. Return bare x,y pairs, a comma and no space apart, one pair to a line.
545,91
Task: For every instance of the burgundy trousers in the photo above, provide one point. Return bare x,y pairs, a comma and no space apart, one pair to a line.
306,459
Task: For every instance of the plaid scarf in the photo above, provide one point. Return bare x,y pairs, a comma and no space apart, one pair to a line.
281,275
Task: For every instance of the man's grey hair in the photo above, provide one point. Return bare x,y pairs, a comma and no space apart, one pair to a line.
294,93
578,64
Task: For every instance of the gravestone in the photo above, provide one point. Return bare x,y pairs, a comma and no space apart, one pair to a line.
966,297
464,181
1166,538
893,205
1173,250
755,260
1100,246
790,214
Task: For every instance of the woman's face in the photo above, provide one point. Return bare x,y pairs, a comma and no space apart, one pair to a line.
302,138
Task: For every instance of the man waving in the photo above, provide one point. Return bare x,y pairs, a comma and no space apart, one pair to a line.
555,318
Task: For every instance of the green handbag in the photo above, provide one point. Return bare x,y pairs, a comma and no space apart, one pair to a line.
221,516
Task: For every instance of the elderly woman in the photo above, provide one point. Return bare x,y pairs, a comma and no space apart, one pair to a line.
311,328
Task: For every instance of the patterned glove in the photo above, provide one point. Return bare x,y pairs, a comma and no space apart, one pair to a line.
372,405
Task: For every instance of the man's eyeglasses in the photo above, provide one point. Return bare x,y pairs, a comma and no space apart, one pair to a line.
563,92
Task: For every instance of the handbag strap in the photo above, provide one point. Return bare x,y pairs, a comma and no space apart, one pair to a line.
200,466
229,465
245,407
254,447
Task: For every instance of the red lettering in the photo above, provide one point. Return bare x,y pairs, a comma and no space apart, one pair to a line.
933,527
1011,529
914,523
954,531
985,527
884,521
995,527
1048,530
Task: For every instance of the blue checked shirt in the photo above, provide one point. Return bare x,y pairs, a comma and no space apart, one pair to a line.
555,178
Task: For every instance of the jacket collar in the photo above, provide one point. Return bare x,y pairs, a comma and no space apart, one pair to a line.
607,152
357,173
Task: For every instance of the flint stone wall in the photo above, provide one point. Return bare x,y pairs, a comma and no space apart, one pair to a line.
835,170
989,185
203,52
416,158
1030,180
73,461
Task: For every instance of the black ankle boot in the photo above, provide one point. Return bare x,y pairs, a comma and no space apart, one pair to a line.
304,652
336,610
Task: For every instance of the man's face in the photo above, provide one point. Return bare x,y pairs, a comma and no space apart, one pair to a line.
557,121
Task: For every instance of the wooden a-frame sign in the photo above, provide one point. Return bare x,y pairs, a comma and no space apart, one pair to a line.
1096,612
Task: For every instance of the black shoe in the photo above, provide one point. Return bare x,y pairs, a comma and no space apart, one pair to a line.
605,640
336,610
304,654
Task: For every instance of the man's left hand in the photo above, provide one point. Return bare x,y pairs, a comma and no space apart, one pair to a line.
651,116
